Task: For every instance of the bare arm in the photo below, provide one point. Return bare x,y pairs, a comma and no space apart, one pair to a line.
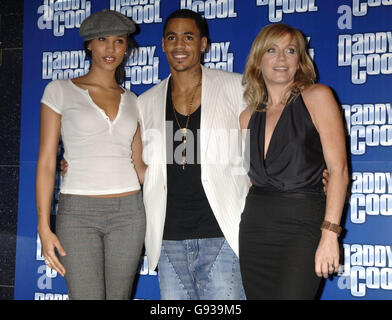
46,170
327,119
137,149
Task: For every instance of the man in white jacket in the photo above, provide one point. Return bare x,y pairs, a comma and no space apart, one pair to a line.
194,188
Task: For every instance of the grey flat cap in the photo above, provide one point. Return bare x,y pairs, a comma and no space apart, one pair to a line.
106,23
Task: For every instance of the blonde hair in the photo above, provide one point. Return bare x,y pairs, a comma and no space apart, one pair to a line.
255,92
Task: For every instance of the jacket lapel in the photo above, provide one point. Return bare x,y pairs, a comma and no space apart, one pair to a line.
208,109
158,114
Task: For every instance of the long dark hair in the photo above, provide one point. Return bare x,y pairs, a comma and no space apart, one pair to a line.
120,70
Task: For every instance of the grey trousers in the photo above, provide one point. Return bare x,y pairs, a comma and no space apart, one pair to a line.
103,238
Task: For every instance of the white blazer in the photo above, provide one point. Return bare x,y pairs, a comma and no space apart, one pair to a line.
224,180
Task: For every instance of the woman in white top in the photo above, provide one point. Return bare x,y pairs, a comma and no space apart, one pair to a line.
100,223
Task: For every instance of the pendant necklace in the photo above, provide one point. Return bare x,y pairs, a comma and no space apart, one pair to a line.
184,130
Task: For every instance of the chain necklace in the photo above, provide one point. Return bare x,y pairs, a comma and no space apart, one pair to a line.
184,130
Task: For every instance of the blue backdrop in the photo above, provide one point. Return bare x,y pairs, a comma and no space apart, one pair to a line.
351,44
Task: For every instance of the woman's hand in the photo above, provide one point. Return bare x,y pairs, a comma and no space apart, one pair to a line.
63,167
327,254
50,242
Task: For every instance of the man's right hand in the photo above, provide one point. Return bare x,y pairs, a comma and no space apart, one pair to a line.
63,167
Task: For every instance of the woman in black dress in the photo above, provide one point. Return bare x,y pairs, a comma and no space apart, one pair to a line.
289,229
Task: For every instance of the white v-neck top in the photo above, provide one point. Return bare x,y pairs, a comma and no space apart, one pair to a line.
98,150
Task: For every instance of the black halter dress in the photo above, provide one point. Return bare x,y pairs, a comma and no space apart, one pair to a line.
280,225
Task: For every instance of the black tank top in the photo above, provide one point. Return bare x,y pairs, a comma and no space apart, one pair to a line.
294,161
188,212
